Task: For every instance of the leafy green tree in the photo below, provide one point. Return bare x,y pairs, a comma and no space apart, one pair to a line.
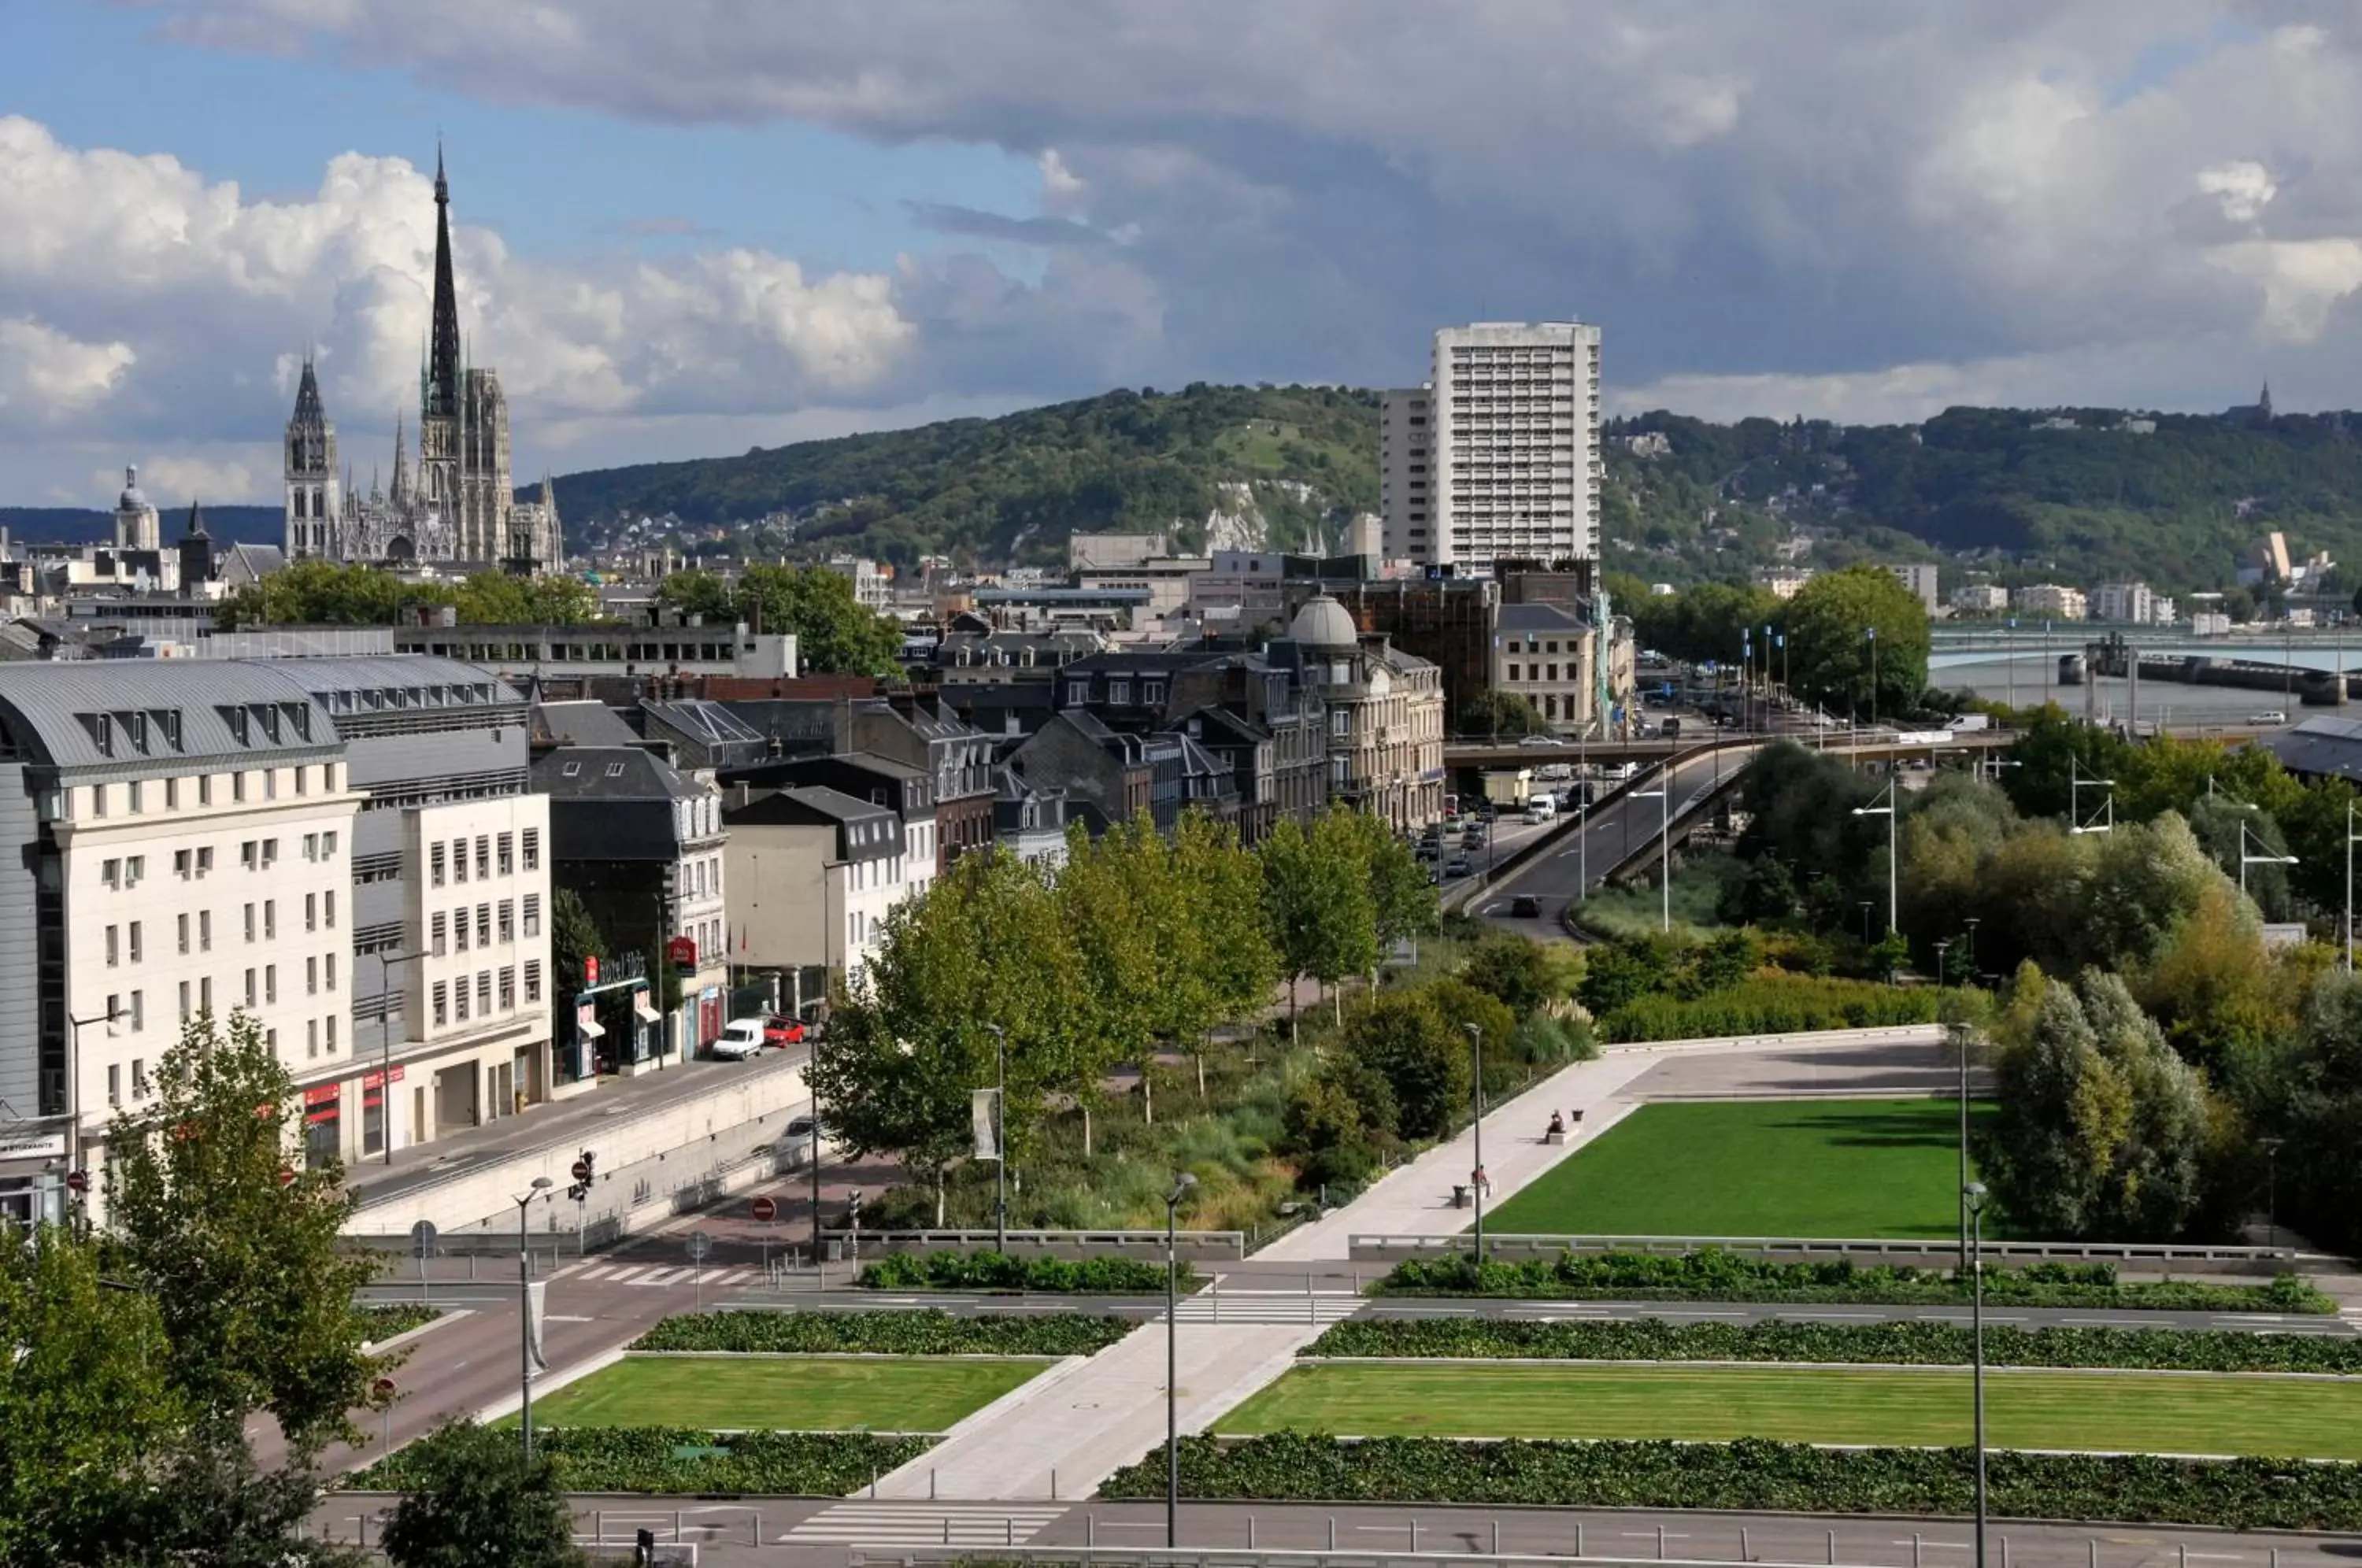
477,1501
1833,653
1728,958
1512,969
1622,971
1321,1128
209,1505
573,936
254,1291
87,1407
1404,1038
1125,917
502,599
835,632
1460,1004
1403,902
318,593
1509,714
1317,908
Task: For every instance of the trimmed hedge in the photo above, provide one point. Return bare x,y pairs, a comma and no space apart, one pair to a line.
640,1458
1771,1004
1891,1344
1711,1274
1754,1474
928,1332
989,1270
396,1317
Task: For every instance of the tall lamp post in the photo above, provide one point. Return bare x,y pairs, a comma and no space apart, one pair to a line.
1476,1127
524,1313
1975,1194
385,1047
999,1139
2246,859
2102,820
73,1082
1664,795
2349,887
1960,1032
1181,1186
1887,811
2271,1148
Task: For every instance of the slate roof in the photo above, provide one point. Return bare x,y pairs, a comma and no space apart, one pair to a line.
609,773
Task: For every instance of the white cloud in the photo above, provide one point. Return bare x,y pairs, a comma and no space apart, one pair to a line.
46,375
2242,186
171,481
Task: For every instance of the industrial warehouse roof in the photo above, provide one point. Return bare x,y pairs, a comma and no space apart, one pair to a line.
2320,747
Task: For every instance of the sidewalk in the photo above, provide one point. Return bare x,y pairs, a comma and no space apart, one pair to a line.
1415,1199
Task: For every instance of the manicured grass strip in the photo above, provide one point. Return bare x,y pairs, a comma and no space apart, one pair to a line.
928,1332
1897,1344
685,1460
798,1394
2133,1412
1756,1475
1875,1168
1712,1274
989,1270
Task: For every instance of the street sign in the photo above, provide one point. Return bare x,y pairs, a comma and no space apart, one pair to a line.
701,1246
422,1239
590,970
763,1208
382,1388
77,1182
581,1170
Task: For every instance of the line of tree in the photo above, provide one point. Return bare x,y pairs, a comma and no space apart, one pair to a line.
334,593
1854,641
835,632
1138,944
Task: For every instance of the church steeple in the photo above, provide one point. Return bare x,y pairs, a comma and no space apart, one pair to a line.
443,354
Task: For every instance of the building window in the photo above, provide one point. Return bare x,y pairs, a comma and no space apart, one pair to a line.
458,860
206,993
270,983
533,914
434,864
442,1004
327,847
508,854
459,930
135,870
508,989
271,919
249,923
312,976
204,860
134,792
533,849
311,1037
332,971
532,980
508,919
1513,672
311,911
114,946
438,926
249,853
204,931
483,858
110,872
329,916
461,1013
311,846
184,1002
114,1084
182,931
332,1033
252,995
98,800
204,789
483,925
135,943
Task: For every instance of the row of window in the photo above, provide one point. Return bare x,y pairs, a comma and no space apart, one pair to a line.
491,850
126,942
128,871
450,998
137,795
1534,672
450,928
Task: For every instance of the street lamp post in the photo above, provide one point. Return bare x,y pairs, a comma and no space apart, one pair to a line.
1181,1186
1666,847
1889,812
1960,1032
385,1048
1000,1140
2271,1147
524,1314
73,1082
1477,1128
1975,1193
1971,958
2246,859
2105,817
2349,887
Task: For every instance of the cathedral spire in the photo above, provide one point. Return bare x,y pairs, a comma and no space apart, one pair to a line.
441,391
400,496
308,410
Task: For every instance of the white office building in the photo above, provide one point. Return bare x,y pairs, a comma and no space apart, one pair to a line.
1498,457
2130,601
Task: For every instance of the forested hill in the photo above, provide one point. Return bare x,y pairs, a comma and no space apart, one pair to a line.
2078,495
1014,488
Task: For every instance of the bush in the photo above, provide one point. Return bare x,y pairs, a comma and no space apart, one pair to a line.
1511,969
1769,1004
1402,1037
886,1333
644,1459
1754,1476
398,1317
1712,1274
998,1271
1888,1344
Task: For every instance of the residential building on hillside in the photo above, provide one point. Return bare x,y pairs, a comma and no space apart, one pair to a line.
2130,601
873,585
1512,448
1980,599
641,843
814,873
1783,582
2052,601
1103,552
1919,577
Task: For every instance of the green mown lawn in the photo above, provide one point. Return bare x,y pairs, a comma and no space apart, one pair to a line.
1790,1168
2303,1418
738,1393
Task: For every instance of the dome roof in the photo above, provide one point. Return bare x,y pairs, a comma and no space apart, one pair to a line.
1323,624
132,500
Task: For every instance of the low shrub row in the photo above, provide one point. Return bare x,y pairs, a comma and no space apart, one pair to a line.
1754,1474
1771,1004
678,1460
396,1317
1711,1274
1892,1344
884,1333
989,1270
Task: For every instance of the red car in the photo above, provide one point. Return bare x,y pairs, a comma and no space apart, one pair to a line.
782,1032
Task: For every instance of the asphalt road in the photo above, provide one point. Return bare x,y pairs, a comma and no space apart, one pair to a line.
819,1533
1615,830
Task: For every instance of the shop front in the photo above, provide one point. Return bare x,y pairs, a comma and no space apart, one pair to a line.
322,1125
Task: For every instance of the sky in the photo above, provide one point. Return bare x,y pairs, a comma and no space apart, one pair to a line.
688,228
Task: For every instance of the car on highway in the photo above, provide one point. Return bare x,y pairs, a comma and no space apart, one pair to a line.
2269,717
1525,906
1473,839
741,1039
1542,741
1459,866
777,1030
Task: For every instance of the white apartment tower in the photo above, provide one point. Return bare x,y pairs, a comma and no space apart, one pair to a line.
1498,457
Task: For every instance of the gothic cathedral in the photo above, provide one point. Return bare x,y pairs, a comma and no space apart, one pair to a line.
456,506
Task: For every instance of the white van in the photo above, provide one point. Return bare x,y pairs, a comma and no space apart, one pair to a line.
1540,807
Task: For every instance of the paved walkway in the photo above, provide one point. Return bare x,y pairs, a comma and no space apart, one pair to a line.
1415,1199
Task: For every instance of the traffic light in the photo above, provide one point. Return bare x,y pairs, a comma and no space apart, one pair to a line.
853,1208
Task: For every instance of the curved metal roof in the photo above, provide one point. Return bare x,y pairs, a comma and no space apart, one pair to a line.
46,704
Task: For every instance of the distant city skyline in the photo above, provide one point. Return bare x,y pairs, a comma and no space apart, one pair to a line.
861,217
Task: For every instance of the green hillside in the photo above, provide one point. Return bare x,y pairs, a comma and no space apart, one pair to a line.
1014,488
2078,495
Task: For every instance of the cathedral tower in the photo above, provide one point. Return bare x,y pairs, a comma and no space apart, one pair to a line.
438,392
315,502
137,525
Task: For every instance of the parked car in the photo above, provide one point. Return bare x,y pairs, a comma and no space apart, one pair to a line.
777,1030
1525,906
741,1039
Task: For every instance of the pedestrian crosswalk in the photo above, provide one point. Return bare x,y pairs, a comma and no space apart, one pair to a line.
869,1523
660,1274
1268,1306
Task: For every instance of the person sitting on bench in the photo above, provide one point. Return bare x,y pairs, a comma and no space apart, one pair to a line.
1557,1125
